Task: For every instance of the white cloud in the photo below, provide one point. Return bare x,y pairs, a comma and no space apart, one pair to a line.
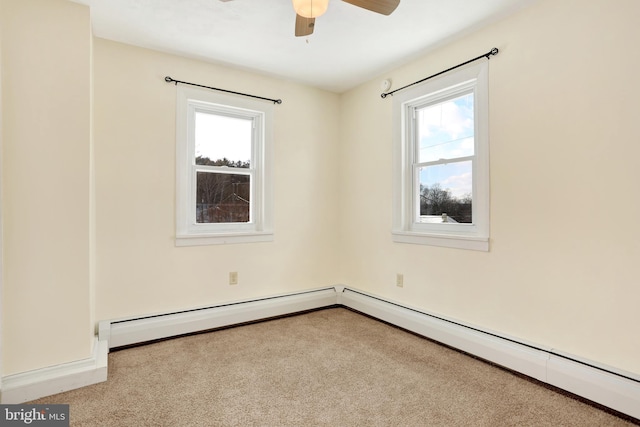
459,185
452,118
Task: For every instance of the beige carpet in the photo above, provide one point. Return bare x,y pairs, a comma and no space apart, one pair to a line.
331,367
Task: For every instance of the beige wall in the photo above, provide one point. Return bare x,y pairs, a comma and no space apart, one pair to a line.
139,270
45,183
563,266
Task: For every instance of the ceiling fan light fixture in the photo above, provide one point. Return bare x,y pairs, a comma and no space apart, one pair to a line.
310,8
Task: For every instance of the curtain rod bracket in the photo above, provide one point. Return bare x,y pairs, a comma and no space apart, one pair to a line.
171,80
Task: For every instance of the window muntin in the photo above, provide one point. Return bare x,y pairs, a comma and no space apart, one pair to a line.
223,191
441,190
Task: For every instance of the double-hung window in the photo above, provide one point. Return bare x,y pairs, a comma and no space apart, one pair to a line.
223,190
441,161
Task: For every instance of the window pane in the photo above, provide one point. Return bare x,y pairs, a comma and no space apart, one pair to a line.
222,197
222,140
445,130
446,189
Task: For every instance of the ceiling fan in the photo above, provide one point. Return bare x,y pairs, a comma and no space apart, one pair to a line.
308,10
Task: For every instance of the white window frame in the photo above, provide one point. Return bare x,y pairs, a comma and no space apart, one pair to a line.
406,229
260,226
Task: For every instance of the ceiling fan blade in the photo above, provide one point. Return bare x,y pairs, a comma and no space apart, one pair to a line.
304,26
385,7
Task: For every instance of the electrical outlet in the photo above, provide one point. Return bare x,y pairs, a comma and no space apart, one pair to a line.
233,278
399,280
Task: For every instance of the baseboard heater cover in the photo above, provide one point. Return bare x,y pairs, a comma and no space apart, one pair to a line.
506,353
612,391
120,333
612,388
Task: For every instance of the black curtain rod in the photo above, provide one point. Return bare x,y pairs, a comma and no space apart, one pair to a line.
170,80
487,55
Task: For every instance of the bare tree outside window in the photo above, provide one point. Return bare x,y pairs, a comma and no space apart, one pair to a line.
223,181
222,197
435,201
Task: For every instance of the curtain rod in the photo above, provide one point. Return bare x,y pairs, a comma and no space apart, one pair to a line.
170,80
487,55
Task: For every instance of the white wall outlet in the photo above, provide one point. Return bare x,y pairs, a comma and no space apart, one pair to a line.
233,278
399,280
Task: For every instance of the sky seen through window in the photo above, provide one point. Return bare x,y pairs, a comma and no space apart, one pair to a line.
446,131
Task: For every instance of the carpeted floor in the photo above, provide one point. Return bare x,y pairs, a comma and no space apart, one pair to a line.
331,367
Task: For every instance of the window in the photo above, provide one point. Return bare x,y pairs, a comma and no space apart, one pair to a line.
222,171
441,161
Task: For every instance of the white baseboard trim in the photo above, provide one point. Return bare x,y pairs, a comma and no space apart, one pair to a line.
607,386
123,332
31,385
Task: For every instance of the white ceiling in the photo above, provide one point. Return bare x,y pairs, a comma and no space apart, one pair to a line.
349,46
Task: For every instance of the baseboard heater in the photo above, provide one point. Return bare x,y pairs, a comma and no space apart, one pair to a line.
604,385
607,386
126,332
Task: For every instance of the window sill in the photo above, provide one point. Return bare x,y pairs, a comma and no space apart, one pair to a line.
447,241
223,239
